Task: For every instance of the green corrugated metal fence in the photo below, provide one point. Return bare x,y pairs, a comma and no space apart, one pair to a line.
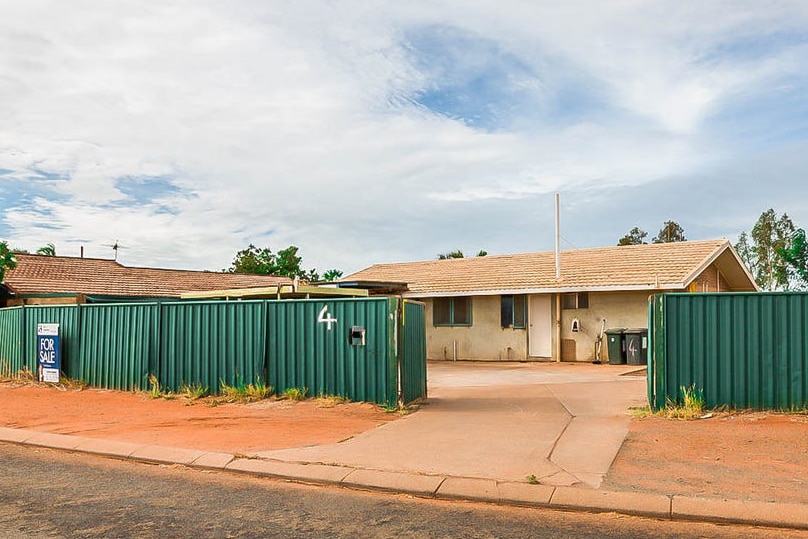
285,344
12,358
212,343
744,350
412,350
117,345
306,350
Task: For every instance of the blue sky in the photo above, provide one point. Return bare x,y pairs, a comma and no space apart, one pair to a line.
376,132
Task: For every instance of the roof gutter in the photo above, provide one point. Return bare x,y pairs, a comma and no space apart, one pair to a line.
552,290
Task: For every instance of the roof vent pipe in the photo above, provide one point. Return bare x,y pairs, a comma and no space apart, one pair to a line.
557,238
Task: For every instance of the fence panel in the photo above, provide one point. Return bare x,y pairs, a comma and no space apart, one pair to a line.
210,343
11,341
309,345
118,343
744,350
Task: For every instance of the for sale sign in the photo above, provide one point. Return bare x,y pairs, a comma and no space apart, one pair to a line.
49,354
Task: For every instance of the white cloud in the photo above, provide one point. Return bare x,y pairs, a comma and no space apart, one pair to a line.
295,122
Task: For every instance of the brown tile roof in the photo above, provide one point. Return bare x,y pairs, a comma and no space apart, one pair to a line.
668,266
38,274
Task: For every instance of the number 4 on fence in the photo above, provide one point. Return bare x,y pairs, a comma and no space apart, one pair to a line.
325,317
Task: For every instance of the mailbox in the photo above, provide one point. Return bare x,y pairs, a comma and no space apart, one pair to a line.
357,336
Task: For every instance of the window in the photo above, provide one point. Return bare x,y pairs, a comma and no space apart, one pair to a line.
451,311
576,300
513,311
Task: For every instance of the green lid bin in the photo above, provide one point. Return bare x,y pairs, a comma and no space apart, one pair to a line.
615,346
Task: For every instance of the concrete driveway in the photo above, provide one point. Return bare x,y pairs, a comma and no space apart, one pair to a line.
562,423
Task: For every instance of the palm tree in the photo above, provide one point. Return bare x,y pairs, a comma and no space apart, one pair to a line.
48,250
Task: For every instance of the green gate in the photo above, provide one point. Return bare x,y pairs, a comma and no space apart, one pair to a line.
412,351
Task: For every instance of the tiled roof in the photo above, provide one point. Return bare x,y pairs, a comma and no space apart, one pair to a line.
38,274
633,267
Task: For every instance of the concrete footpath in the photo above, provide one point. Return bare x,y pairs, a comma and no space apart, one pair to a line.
512,434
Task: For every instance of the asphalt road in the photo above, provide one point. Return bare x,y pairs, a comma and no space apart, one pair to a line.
47,493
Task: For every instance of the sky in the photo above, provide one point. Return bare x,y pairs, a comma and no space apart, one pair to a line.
370,132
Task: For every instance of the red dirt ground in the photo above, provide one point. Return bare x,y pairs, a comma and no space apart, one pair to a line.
751,456
229,428
755,456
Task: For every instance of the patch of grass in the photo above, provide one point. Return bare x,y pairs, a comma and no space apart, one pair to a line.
244,456
155,390
295,393
691,406
194,391
532,479
640,412
25,376
403,410
246,393
6,374
22,376
73,383
330,401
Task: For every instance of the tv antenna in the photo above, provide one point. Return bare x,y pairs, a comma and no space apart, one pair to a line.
115,246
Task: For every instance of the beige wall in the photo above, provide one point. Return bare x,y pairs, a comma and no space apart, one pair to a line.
484,340
620,309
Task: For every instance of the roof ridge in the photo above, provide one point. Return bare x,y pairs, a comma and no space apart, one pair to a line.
65,257
662,245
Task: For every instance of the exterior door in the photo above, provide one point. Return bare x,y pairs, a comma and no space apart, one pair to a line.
540,320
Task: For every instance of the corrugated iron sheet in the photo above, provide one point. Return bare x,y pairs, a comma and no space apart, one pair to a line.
211,343
309,347
11,341
743,350
413,352
118,342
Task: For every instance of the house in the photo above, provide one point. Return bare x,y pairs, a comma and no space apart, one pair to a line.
512,307
49,280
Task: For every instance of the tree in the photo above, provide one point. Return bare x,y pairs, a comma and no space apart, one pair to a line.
332,275
263,261
452,254
47,250
7,260
635,236
796,258
670,232
459,254
284,263
760,250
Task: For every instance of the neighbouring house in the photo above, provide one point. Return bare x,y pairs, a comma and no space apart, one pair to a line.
50,280
512,307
